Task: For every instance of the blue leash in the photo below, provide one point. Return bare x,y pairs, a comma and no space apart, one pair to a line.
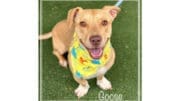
118,3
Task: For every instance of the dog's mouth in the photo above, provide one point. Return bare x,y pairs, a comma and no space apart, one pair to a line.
95,53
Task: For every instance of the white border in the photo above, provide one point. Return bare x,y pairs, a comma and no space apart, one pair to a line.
139,51
161,50
19,50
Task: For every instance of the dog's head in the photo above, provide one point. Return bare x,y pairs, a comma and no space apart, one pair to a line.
93,27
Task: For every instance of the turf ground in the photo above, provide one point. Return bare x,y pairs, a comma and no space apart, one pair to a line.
56,83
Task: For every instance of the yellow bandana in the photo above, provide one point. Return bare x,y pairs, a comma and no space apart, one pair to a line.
83,65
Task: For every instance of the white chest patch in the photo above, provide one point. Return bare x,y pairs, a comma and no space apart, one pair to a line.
102,70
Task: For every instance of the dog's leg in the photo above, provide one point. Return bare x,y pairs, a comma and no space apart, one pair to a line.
102,82
59,48
82,88
62,60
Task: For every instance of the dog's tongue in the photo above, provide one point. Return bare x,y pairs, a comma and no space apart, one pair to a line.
96,53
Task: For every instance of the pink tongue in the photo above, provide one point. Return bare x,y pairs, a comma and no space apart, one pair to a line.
96,53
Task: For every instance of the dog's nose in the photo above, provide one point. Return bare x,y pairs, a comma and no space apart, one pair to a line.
95,40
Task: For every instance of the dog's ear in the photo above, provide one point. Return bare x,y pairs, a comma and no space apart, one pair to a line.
112,10
72,13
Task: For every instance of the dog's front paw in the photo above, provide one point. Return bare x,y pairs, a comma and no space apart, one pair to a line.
81,91
63,63
104,84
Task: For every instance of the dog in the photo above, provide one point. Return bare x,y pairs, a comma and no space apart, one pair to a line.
85,35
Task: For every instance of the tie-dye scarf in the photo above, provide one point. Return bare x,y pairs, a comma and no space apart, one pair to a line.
83,65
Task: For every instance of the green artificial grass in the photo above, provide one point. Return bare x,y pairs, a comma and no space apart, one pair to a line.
56,83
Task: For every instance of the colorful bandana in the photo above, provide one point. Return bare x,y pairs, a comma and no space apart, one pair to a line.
83,65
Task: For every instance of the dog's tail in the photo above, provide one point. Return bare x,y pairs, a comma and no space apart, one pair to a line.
45,36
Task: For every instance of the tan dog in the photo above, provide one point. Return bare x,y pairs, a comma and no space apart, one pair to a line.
93,28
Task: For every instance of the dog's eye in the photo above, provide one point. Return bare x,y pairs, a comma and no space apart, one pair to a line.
104,22
83,24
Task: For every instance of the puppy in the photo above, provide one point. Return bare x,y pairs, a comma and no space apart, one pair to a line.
85,35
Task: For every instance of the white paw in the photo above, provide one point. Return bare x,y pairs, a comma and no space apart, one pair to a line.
81,90
63,63
104,84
